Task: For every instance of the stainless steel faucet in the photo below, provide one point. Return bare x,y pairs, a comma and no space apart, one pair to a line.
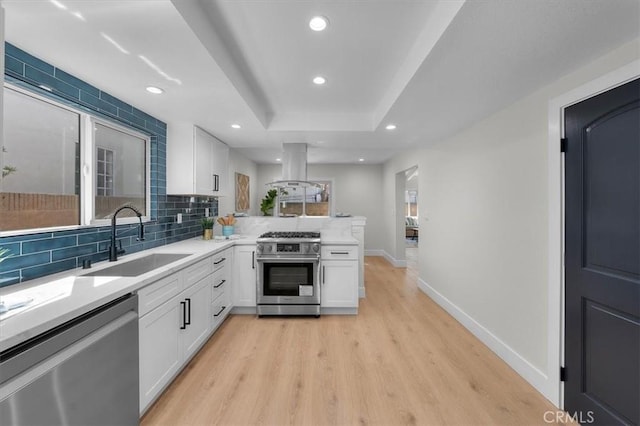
113,250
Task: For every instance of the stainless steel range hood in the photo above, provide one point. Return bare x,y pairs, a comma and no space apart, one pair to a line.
294,167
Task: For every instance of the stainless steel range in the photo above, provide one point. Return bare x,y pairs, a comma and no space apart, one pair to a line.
288,281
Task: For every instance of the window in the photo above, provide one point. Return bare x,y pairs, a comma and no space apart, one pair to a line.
311,201
57,174
40,185
120,171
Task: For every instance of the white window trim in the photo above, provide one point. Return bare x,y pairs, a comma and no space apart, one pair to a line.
87,168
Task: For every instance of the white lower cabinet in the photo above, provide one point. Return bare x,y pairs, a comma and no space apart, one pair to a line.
179,313
169,335
160,350
339,277
244,276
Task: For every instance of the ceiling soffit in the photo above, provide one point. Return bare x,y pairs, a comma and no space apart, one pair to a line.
269,55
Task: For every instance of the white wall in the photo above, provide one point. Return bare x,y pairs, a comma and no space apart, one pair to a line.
240,164
484,221
1,83
357,191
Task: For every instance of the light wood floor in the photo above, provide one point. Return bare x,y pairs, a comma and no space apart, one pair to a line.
402,360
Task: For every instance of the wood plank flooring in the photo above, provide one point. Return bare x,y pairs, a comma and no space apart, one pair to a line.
402,361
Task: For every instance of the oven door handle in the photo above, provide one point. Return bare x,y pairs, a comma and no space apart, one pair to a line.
288,259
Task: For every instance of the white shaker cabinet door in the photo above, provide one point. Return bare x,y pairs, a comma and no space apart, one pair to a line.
160,349
197,308
244,276
339,284
203,160
220,168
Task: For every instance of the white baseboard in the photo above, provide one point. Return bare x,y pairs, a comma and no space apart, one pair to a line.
379,252
524,368
361,293
395,262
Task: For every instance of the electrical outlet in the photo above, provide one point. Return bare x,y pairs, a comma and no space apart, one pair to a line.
179,218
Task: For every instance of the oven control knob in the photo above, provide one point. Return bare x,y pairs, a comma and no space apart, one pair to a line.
269,248
259,248
315,248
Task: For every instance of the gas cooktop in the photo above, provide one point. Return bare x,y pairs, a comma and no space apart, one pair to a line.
292,234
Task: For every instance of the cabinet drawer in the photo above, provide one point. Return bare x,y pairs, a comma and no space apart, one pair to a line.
196,272
219,286
339,252
156,294
220,260
219,310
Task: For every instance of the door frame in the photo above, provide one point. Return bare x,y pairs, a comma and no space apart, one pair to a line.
555,281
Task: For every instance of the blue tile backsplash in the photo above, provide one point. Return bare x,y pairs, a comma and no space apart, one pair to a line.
35,255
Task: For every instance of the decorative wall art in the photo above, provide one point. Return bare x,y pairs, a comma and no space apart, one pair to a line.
242,192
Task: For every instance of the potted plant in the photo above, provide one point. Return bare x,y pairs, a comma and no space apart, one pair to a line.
269,202
207,228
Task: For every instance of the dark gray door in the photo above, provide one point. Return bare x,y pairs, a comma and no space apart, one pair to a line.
602,345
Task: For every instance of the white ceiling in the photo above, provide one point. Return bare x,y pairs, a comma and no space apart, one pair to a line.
431,67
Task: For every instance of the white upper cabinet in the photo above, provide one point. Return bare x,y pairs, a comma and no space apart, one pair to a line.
197,162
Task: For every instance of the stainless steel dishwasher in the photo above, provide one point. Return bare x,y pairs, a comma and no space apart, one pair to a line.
83,372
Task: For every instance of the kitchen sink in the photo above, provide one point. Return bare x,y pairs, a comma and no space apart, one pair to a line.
139,266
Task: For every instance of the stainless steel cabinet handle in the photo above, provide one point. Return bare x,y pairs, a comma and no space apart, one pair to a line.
220,261
323,272
253,260
216,183
221,282
339,252
188,322
218,314
184,315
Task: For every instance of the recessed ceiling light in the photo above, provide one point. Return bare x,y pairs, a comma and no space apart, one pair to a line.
319,80
79,16
361,159
236,126
390,126
318,23
278,159
62,6
155,90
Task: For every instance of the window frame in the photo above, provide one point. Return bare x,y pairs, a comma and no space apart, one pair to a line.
88,170
87,166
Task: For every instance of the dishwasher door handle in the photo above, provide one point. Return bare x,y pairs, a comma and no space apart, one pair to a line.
188,309
183,306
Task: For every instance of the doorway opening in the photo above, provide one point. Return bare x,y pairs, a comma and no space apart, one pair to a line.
407,217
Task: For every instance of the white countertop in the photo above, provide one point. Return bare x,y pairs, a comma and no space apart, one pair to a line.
61,297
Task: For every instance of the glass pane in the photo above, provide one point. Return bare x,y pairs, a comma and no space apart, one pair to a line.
284,279
125,172
316,200
39,158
